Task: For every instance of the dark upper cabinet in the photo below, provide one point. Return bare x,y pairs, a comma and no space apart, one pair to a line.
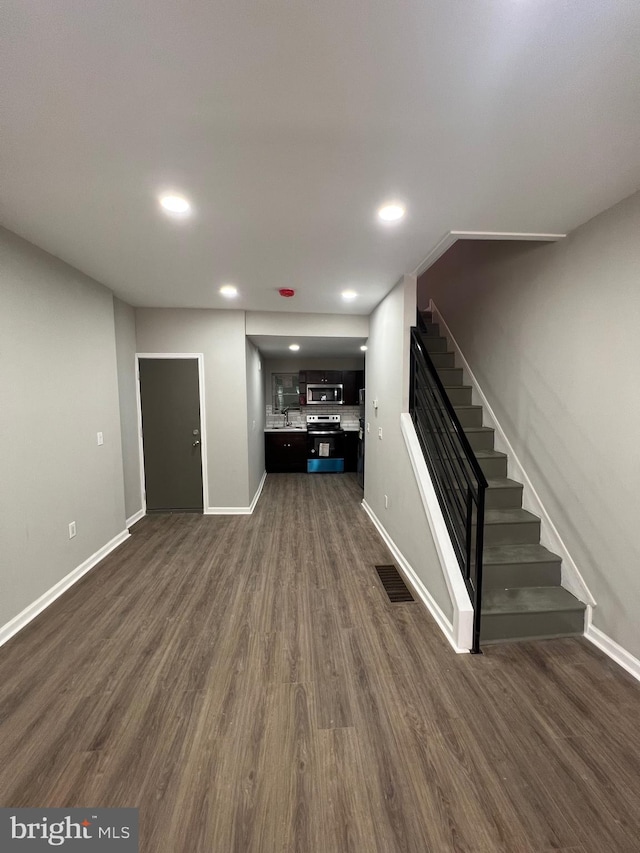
352,382
317,377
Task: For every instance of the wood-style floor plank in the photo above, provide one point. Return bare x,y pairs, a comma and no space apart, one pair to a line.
245,682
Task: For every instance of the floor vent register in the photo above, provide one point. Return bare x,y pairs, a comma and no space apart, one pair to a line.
394,586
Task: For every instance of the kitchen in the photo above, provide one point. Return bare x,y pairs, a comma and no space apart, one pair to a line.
315,436
314,411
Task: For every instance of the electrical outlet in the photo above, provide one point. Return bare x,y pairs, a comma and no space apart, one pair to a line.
386,501
72,530
100,438
380,433
368,427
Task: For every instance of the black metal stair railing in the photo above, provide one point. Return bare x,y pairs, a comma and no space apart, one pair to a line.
457,477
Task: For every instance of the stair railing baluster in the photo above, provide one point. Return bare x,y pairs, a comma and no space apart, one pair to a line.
453,467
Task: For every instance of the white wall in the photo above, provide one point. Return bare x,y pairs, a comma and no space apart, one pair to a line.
388,469
125,333
307,325
255,416
551,333
220,336
58,386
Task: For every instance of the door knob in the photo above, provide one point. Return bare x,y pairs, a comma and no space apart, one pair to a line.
195,444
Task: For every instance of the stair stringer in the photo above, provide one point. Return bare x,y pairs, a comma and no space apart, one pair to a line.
462,634
571,578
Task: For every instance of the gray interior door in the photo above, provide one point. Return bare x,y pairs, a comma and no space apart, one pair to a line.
170,400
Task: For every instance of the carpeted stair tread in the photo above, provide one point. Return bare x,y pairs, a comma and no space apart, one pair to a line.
540,599
490,454
496,555
503,483
511,515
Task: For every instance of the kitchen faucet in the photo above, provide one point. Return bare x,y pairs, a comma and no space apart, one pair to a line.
285,413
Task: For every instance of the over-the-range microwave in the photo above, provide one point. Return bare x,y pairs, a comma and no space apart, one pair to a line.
318,394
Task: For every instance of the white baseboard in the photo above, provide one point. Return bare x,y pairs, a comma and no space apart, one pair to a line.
612,649
238,510
572,580
419,588
135,517
256,497
227,510
18,622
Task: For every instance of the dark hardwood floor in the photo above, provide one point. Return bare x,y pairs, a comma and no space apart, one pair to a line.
244,681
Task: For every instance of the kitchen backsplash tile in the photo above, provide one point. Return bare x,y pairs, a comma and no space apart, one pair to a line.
348,415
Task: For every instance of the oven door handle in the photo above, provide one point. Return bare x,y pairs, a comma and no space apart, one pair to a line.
325,432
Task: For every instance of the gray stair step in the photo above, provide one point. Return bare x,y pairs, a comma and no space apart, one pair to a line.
480,438
502,493
469,415
510,527
530,612
510,566
443,359
459,395
433,344
431,328
493,463
450,375
427,316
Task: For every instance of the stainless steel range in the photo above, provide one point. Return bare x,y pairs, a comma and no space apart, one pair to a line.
325,444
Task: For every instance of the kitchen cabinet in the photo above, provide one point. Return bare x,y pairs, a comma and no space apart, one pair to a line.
352,382
317,377
285,452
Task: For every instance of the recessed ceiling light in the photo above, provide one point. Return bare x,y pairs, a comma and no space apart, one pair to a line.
349,294
391,212
175,204
363,347
229,290
294,347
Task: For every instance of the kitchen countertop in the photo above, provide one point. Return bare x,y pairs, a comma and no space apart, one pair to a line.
304,429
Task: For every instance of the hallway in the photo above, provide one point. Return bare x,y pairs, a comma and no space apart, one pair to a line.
245,682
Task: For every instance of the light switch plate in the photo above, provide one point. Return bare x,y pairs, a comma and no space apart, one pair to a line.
100,438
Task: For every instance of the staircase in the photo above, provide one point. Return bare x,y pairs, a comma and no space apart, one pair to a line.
522,597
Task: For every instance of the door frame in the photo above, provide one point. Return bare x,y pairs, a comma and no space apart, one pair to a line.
199,357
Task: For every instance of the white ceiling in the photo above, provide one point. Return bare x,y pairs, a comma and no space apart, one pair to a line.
287,122
311,346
